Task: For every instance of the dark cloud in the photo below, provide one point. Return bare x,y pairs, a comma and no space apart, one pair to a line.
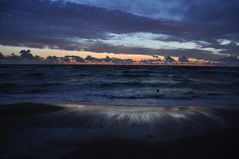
59,19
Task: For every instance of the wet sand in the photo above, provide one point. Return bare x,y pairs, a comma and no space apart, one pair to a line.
70,132
26,109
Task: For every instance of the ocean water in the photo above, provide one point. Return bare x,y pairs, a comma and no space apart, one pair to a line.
120,85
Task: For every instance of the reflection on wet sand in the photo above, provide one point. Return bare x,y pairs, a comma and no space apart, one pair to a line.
148,123
60,132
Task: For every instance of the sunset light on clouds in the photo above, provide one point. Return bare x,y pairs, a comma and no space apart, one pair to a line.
196,29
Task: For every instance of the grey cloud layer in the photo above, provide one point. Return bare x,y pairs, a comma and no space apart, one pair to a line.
41,23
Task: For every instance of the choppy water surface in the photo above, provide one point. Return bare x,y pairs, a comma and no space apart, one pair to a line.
120,85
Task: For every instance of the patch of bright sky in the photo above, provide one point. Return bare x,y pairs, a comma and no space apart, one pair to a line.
224,41
216,51
147,40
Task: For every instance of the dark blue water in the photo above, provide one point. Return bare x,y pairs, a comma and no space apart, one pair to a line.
120,85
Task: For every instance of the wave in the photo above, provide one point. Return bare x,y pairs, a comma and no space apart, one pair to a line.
115,83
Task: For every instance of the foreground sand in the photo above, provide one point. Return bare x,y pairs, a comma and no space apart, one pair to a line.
69,132
26,109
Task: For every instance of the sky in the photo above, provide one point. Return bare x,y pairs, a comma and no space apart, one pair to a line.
205,29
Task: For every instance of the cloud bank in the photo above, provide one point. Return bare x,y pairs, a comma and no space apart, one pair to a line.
191,28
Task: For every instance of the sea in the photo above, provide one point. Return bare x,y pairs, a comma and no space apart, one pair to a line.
146,86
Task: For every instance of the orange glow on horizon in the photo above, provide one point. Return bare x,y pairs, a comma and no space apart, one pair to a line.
7,50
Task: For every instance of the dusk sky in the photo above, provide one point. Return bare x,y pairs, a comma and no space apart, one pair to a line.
196,28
